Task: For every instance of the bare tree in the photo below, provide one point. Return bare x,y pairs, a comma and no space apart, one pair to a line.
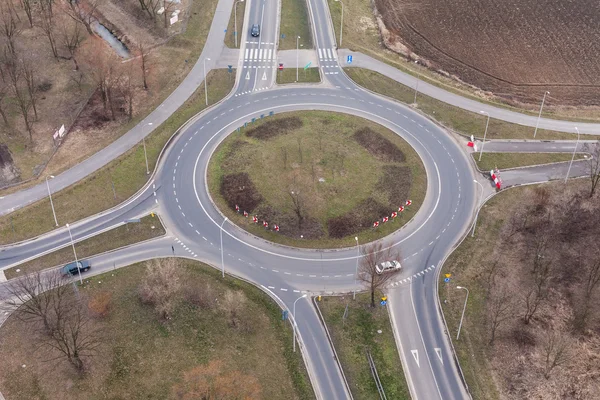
46,23
374,254
128,87
556,351
499,310
144,65
160,286
297,206
26,4
594,168
47,5
71,38
538,291
31,82
150,6
105,71
83,15
9,28
3,94
590,284
168,8
14,73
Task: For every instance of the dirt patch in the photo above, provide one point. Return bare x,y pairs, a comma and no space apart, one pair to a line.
310,228
378,146
516,49
8,172
238,189
363,217
396,182
275,128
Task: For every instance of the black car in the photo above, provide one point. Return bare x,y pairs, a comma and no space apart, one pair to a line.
71,269
255,30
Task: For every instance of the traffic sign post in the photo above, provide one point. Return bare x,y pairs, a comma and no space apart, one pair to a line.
349,59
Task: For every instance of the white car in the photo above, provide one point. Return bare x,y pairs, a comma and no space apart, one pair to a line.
388,266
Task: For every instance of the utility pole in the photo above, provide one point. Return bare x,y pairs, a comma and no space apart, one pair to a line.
572,158
485,133
463,312
540,114
50,196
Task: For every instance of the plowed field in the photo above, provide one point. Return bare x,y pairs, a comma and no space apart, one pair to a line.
514,48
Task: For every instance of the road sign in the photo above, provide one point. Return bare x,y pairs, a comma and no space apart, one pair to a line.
307,65
281,66
283,35
284,315
446,280
383,302
447,275
349,59
230,67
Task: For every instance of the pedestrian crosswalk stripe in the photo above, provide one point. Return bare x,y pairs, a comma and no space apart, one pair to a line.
246,55
329,54
320,54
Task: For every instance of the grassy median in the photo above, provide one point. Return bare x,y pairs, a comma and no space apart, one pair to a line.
220,326
149,227
515,160
364,329
454,118
288,75
294,22
113,183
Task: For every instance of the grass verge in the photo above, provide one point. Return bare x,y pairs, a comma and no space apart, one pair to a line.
361,33
356,334
343,187
288,75
143,357
294,22
229,35
515,160
149,227
113,183
457,119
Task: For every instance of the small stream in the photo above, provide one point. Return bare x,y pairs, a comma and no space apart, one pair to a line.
109,38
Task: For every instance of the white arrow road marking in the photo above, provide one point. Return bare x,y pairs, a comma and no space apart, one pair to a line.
438,351
248,75
415,354
264,78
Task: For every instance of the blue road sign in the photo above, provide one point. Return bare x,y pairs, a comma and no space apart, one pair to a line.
230,68
283,35
262,116
349,59
284,315
383,302
225,30
271,113
446,280
253,119
245,124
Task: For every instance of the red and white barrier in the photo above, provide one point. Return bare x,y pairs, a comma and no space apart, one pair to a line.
495,174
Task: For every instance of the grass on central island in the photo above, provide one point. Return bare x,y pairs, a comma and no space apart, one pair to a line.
143,356
322,177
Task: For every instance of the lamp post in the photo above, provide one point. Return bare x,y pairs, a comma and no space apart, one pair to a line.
205,82
478,208
417,85
235,21
222,261
294,316
485,133
297,55
356,268
342,23
75,254
572,158
540,114
50,196
463,312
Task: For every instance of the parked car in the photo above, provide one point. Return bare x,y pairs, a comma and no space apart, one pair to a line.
388,266
71,269
255,30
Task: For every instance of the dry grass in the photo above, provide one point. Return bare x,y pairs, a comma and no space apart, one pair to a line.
356,334
295,161
149,227
127,174
513,367
294,22
142,357
515,160
288,75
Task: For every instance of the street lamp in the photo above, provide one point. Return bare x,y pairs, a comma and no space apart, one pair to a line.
205,82
540,114
75,254
50,195
356,269
145,155
485,133
342,23
574,150
464,308
294,316
222,261
297,55
478,208
235,21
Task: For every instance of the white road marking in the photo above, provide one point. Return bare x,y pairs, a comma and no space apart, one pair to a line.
438,351
415,354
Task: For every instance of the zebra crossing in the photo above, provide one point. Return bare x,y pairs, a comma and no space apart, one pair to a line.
260,55
327,54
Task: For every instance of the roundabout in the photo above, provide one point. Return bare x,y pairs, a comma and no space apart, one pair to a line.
316,180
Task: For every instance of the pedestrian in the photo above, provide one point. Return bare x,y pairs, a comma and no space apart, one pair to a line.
173,249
